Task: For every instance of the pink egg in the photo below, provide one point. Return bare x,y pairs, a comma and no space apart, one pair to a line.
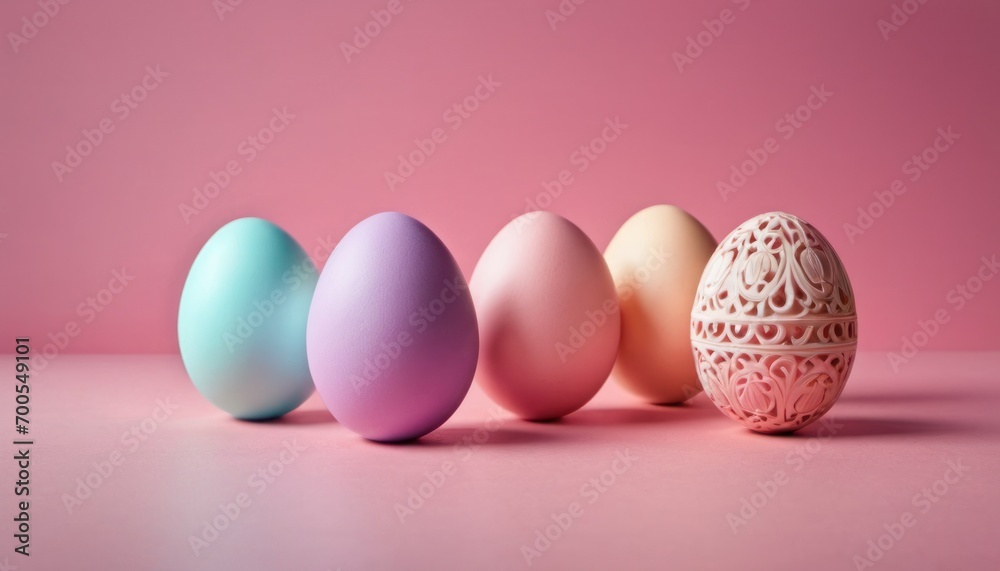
548,317
773,328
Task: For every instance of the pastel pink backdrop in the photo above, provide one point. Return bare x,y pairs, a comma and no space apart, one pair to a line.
60,241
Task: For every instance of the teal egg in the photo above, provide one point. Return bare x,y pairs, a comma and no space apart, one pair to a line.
241,324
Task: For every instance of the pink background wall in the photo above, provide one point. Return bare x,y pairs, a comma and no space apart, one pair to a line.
60,241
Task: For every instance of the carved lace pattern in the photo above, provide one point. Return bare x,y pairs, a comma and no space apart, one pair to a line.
774,327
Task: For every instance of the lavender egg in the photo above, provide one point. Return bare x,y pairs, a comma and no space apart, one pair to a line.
392,338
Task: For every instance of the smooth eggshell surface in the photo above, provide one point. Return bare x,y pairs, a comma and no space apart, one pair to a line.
656,259
548,316
241,324
392,336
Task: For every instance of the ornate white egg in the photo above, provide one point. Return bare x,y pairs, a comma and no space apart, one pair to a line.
774,328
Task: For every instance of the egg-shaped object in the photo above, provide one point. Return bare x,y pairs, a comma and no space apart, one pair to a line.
548,317
656,259
392,337
774,328
241,324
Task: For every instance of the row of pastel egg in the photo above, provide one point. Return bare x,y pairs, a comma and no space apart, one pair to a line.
391,335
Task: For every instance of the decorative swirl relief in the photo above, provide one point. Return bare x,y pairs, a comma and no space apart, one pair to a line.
774,328
775,265
772,393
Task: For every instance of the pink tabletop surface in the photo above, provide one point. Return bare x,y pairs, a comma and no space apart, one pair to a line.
635,486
